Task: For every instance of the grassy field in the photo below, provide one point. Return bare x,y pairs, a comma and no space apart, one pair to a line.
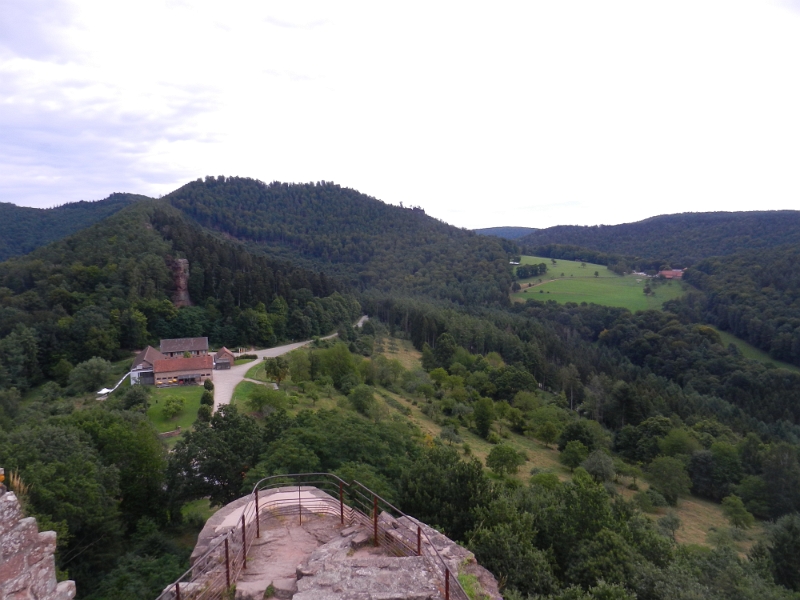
258,372
752,352
191,397
243,361
568,281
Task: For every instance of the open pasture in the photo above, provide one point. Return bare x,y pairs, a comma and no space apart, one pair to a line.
579,284
569,268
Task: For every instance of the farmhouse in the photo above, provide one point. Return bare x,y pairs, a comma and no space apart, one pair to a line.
142,368
224,359
183,371
197,346
172,366
672,273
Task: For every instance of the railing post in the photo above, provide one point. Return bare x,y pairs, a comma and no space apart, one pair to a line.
258,524
375,517
299,505
177,590
227,565
244,544
341,504
447,584
419,541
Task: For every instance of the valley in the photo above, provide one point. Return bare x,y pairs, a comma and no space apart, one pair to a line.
607,444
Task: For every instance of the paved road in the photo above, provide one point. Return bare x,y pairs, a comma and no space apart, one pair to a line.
225,381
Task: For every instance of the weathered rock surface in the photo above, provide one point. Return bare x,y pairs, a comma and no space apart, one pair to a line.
323,559
27,567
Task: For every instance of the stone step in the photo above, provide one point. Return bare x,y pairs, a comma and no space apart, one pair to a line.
283,589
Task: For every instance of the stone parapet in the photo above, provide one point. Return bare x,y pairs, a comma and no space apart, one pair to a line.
27,565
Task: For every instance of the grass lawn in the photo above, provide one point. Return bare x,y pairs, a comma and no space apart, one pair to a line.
191,396
243,361
242,392
580,285
257,372
752,352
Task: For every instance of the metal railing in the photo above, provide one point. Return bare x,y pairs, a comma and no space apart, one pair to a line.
212,575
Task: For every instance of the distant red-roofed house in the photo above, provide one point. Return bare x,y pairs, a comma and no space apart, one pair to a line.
672,273
182,371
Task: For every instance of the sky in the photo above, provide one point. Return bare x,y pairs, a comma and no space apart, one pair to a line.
530,113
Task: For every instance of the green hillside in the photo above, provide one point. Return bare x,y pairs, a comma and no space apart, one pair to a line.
370,244
509,233
24,229
580,450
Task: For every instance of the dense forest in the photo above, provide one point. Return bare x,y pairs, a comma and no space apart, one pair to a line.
509,233
23,229
754,294
106,291
678,240
653,396
370,244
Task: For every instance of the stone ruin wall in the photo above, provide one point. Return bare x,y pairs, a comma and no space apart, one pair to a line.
27,564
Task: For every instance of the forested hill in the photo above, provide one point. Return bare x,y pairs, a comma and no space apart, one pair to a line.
755,295
371,244
681,239
106,291
24,229
509,233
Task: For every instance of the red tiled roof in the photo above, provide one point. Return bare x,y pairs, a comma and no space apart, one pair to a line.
169,365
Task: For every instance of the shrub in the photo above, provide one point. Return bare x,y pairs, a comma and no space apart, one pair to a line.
656,498
207,399
209,385
204,413
574,454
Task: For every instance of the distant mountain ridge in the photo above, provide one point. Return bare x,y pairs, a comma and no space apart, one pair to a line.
23,229
682,239
509,233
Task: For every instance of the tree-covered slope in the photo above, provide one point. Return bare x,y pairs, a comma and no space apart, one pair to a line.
106,291
681,239
755,295
509,233
24,229
370,243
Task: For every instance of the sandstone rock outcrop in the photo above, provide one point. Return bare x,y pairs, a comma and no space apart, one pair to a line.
180,279
27,565
324,559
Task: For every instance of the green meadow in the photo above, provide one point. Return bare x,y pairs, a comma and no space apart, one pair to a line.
752,352
570,281
191,402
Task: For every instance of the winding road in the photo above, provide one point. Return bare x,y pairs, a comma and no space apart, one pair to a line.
225,381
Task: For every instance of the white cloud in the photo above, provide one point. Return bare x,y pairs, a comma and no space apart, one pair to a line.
523,113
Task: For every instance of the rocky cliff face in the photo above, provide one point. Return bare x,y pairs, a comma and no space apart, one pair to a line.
27,566
180,279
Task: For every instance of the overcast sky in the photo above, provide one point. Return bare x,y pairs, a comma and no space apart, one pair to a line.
531,113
